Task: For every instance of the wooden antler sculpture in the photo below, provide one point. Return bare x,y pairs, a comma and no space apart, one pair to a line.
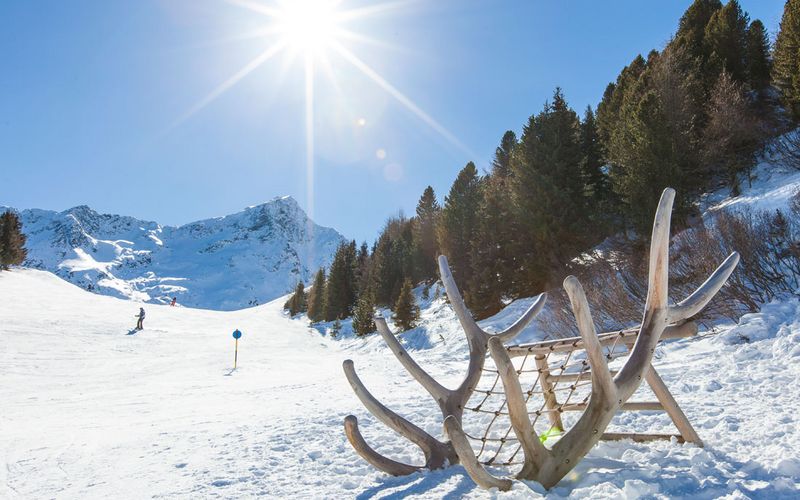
549,466
450,401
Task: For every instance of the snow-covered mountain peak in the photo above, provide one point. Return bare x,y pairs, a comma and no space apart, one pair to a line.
228,262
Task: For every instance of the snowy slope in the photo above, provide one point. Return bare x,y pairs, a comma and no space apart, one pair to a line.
90,411
224,263
773,185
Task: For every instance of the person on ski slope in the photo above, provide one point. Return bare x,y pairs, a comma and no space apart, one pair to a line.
174,300
139,324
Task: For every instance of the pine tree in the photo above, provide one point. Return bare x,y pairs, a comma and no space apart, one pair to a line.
648,164
363,315
501,165
609,109
457,223
726,36
492,252
392,260
12,241
549,195
340,291
406,312
692,26
316,298
758,58
425,244
297,302
678,82
786,58
362,266
597,182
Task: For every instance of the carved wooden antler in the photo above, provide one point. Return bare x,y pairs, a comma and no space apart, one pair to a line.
549,466
451,401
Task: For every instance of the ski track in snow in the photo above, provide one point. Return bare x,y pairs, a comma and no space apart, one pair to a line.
91,412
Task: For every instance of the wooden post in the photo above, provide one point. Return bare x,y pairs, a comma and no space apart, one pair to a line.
547,390
674,411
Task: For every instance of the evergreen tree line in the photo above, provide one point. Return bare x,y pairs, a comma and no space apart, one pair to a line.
359,280
12,241
693,116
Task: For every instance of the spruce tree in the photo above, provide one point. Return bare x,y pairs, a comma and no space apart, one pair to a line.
406,312
316,298
12,241
692,25
648,164
457,223
609,109
392,260
425,244
297,303
339,290
549,195
597,182
363,322
492,253
726,36
362,266
492,256
501,165
786,58
383,272
759,64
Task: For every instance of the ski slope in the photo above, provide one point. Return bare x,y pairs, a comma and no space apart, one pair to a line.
90,411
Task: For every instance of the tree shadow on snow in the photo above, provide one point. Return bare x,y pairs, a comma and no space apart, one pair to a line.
133,332
420,483
705,474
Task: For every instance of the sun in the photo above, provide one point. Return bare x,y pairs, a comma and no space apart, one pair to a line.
308,25
320,31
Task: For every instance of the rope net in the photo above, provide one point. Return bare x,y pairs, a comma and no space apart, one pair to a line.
556,381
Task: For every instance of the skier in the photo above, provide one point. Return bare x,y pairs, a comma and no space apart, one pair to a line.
174,300
139,325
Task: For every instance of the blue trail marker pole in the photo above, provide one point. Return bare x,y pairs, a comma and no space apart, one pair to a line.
236,335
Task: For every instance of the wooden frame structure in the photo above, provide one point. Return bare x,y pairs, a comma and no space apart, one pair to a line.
610,391
665,401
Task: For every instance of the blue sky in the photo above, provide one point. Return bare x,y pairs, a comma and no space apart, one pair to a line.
94,97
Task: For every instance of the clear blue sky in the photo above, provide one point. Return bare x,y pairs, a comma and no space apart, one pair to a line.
92,95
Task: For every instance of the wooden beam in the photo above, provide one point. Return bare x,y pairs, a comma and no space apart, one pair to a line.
640,438
688,329
572,377
671,407
628,406
547,390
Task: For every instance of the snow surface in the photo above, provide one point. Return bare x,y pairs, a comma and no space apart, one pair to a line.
773,185
92,409
225,263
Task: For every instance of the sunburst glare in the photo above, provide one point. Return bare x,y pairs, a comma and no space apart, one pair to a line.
307,25
315,30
